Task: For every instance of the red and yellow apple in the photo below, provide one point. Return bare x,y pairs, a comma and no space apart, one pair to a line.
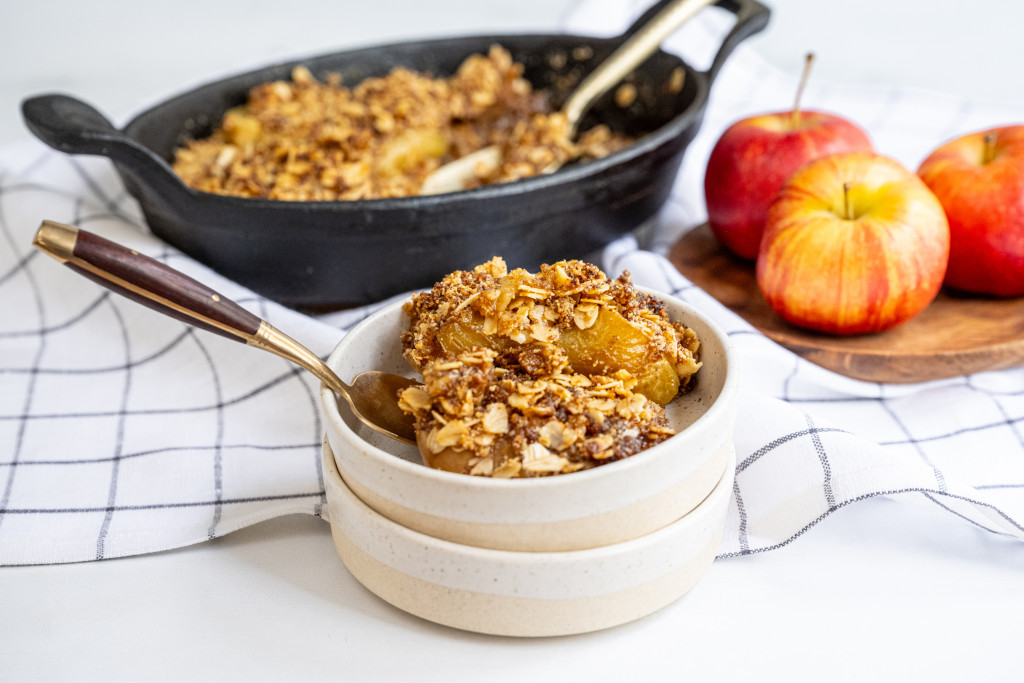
979,179
853,243
752,160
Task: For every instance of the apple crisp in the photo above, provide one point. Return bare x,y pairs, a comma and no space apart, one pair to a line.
536,374
522,413
311,140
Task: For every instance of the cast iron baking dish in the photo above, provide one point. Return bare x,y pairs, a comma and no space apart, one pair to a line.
330,254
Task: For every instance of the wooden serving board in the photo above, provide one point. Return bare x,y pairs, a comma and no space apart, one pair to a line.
956,335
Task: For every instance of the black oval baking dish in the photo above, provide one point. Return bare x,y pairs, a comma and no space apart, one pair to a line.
330,254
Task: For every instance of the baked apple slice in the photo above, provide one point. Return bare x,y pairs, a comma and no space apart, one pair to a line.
604,326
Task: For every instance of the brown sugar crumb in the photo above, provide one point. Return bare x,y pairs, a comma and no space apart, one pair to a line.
625,95
310,140
531,417
530,374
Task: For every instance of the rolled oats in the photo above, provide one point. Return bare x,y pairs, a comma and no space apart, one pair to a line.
585,315
311,140
519,408
512,428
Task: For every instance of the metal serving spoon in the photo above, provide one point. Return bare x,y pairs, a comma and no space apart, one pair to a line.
639,46
372,395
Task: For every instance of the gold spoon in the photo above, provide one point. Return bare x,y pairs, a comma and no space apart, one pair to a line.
454,175
372,395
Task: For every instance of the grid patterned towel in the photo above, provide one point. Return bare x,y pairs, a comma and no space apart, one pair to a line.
124,432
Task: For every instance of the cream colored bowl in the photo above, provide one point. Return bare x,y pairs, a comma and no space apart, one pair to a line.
601,506
510,593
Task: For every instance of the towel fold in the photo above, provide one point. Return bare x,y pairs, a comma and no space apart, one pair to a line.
125,432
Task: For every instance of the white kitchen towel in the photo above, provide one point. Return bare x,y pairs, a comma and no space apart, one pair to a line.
124,432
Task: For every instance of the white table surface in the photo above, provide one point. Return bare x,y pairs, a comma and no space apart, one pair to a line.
882,590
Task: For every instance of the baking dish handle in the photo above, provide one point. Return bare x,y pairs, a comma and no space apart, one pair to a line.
751,18
72,126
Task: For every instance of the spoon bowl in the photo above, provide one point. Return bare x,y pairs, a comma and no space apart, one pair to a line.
372,395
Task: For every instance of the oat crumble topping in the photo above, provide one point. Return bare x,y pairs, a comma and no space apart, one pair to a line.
312,140
537,374
523,413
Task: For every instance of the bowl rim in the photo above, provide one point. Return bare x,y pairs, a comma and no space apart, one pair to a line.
708,420
722,488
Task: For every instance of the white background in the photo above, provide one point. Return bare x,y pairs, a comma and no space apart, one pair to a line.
881,590
123,55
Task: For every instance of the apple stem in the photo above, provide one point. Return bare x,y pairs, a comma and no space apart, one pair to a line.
990,147
808,61
847,201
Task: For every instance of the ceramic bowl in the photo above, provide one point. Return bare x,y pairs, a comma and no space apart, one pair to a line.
600,506
511,593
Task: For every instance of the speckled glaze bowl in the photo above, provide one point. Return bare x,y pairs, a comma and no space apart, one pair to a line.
510,593
605,505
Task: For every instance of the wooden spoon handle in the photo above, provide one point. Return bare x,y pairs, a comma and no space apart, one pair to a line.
165,290
146,281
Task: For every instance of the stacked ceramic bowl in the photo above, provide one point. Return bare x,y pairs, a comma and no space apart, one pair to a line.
531,557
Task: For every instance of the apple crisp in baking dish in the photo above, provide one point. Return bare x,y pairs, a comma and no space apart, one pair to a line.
537,374
312,140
